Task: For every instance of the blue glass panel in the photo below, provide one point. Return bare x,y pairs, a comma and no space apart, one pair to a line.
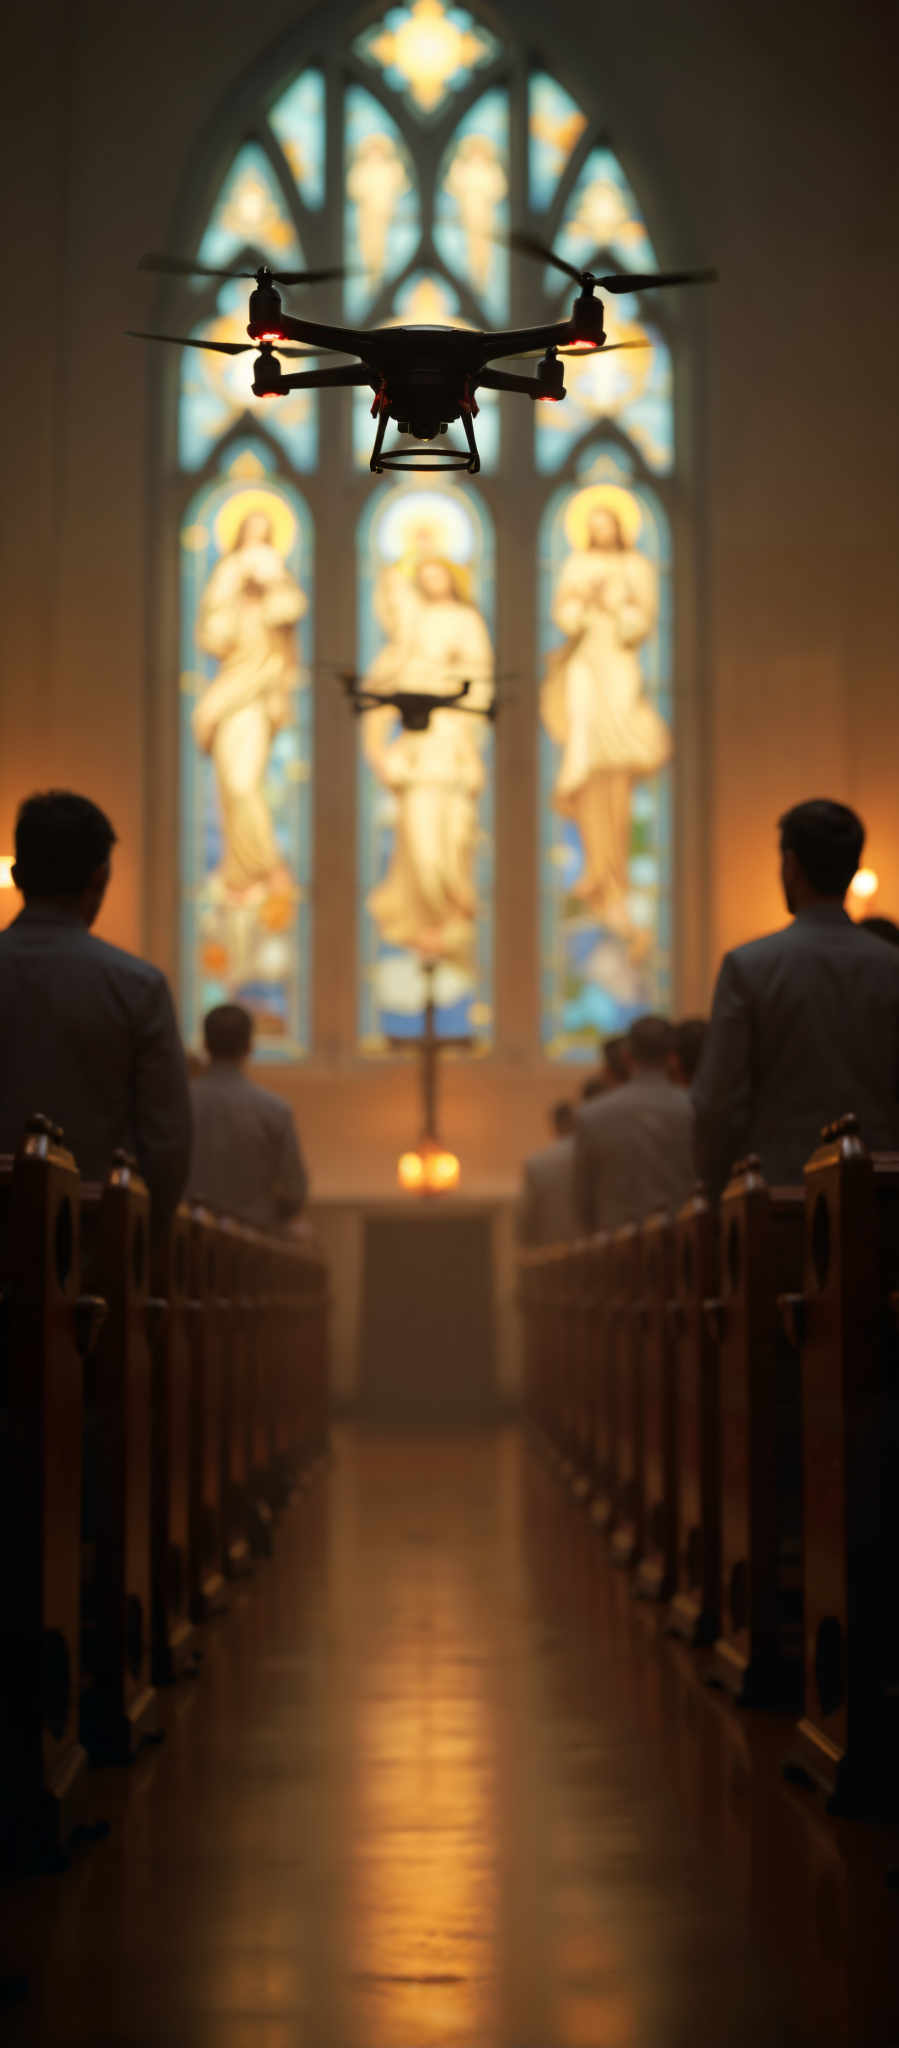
250,214
473,204
605,750
425,568
298,119
427,300
246,760
426,51
382,211
216,390
632,387
603,215
555,126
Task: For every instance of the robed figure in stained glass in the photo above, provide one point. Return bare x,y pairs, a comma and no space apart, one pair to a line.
247,620
436,639
593,701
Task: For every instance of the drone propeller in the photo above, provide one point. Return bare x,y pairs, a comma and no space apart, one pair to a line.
184,266
616,281
608,348
227,348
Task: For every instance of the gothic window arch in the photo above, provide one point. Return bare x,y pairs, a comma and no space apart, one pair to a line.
405,144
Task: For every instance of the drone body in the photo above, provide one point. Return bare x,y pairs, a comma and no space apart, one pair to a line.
426,377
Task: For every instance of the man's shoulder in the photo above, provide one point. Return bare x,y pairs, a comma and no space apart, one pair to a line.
550,1156
754,954
837,938
72,938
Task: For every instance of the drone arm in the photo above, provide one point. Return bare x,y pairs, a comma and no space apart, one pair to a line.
320,380
520,341
347,341
505,380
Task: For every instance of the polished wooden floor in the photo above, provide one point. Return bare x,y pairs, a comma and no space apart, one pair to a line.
441,1781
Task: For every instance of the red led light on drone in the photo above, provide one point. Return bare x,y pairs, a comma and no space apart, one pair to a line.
270,337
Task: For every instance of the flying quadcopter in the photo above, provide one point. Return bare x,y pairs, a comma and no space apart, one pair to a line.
414,707
422,377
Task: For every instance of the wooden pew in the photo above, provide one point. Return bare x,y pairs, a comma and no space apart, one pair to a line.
251,1309
693,1611
174,1648
119,1705
601,1380
657,1565
46,1329
206,1337
848,1738
626,1372
236,1551
758,1650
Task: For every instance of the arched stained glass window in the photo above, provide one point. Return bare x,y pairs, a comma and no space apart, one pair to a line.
405,146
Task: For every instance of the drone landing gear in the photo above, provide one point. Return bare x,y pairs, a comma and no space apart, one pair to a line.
424,458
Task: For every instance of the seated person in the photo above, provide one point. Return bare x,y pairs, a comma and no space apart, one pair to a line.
547,1213
687,1041
246,1158
633,1146
88,1031
805,1021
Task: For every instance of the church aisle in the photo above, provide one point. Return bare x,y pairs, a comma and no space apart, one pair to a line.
439,1782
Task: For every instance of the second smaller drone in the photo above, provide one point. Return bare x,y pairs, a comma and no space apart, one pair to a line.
413,707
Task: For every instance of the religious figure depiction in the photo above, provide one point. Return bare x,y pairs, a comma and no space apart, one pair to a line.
376,181
248,618
436,639
478,184
592,701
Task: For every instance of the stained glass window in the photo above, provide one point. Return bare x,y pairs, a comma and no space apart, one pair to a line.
443,135
247,574
425,797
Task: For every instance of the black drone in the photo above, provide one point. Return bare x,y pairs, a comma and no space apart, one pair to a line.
422,377
414,707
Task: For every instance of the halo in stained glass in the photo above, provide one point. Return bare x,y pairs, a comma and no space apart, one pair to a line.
472,208
427,300
425,570
216,390
603,215
246,715
633,388
555,126
426,51
381,207
298,119
605,751
250,213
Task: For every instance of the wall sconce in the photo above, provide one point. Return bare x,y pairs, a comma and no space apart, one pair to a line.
429,1170
862,889
7,861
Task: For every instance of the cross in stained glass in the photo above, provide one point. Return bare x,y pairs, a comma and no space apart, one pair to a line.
427,50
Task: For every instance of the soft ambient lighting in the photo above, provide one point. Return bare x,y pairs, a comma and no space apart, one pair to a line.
6,868
864,885
429,1170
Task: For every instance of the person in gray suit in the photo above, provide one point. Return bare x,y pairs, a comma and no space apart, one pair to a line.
633,1147
805,1021
246,1157
88,1031
547,1212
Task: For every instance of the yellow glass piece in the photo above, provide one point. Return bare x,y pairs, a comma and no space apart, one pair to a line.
236,510
426,49
609,497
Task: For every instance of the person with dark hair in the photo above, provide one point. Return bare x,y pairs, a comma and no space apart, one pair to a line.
880,928
546,1214
88,1031
615,1069
246,1157
633,1145
805,1021
688,1039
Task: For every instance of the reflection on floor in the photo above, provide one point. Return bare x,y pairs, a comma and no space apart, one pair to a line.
442,1782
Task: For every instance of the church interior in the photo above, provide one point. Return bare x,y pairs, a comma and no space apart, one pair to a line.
490,1644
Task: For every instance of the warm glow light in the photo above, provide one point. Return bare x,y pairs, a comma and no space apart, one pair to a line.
864,885
429,1170
6,867
427,47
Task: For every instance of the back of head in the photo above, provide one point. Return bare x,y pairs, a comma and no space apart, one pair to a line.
562,1118
63,843
616,1060
228,1032
650,1042
688,1038
880,928
826,840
